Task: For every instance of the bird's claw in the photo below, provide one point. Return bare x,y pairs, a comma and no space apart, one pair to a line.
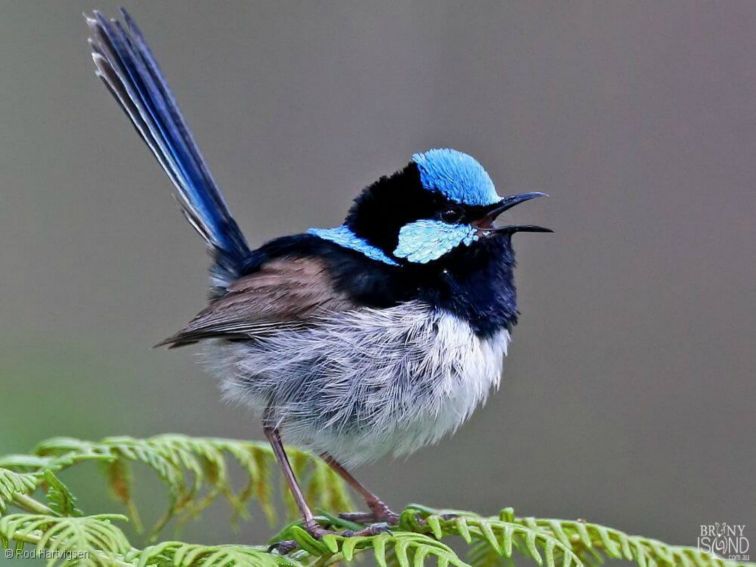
317,531
286,546
283,547
371,530
358,517
379,513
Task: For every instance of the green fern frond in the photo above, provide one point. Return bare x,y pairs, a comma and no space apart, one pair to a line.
179,554
501,535
402,548
196,472
596,541
59,497
15,484
39,463
480,554
92,540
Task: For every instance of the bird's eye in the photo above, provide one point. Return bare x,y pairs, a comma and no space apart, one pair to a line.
451,215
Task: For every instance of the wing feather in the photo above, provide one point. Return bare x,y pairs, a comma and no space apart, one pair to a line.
283,293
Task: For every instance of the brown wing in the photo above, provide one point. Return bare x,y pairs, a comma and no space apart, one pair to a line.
284,292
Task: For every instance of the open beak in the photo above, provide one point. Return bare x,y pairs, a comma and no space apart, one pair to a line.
485,223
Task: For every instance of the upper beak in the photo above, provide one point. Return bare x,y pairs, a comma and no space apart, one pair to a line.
486,222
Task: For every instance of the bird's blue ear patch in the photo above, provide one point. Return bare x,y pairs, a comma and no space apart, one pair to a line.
426,240
457,176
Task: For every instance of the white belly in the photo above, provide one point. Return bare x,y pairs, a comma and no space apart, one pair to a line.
362,384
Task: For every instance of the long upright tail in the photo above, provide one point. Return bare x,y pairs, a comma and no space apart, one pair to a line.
126,65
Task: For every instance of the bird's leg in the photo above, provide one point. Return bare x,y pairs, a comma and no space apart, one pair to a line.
274,438
379,512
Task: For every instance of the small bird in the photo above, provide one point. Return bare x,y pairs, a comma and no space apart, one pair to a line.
375,337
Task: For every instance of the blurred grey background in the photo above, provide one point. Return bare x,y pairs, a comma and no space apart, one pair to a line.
629,392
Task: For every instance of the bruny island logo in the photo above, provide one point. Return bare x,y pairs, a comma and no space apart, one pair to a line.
725,540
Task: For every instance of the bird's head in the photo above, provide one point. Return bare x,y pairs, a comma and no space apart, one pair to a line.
441,202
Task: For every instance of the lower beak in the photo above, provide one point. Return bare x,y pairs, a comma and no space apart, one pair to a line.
486,222
521,228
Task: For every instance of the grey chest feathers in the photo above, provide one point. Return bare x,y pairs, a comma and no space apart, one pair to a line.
365,382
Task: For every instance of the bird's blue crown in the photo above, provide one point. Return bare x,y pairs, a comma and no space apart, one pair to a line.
457,176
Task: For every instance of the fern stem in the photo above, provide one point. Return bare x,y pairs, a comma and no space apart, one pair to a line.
34,506
136,519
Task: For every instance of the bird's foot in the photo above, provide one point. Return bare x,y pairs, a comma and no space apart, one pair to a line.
389,518
317,531
379,513
371,530
283,547
286,546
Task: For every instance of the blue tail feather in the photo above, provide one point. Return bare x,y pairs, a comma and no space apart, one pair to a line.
125,63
